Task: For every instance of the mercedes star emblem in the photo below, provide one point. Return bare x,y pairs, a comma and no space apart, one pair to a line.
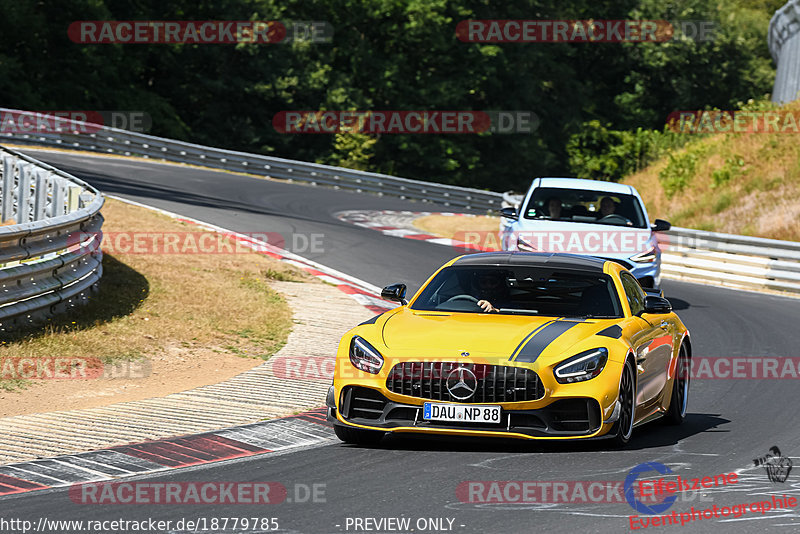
461,383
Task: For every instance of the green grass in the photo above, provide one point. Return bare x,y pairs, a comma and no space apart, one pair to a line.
722,202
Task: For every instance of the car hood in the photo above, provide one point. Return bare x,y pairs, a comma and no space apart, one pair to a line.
423,334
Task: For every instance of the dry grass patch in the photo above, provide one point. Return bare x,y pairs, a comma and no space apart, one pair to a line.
148,304
739,183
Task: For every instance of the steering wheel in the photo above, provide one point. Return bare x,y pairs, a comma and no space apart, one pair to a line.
462,297
614,218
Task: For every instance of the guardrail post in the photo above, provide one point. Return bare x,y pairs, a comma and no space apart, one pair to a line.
9,191
73,199
24,197
57,205
40,196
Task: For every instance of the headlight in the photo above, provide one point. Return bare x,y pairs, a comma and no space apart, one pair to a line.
648,256
524,246
583,366
364,356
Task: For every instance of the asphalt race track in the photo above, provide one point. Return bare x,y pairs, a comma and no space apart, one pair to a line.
730,422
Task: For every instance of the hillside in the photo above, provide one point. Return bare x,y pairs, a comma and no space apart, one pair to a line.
745,183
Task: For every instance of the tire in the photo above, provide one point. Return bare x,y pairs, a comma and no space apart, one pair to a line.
357,436
680,390
627,399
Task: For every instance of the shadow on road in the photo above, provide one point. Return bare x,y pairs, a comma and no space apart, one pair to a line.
679,304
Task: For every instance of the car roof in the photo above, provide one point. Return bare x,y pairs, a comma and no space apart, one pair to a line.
593,185
534,259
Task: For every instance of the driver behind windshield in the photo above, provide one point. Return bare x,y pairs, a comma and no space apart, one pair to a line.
554,207
491,287
607,207
608,211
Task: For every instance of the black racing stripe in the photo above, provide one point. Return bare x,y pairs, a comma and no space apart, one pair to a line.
613,331
534,347
526,338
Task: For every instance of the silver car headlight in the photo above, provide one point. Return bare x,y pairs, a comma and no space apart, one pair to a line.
524,246
581,367
364,356
648,256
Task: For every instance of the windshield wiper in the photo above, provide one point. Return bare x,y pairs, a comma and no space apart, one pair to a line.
515,311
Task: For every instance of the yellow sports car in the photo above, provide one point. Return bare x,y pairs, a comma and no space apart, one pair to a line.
518,345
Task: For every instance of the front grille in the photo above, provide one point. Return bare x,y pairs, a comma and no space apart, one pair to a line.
575,415
363,403
494,383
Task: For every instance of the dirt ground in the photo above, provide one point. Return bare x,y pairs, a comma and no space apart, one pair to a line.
176,369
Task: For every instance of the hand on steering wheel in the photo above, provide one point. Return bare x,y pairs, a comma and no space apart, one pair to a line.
487,306
484,305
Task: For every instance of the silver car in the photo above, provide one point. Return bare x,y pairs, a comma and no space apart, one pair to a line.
587,217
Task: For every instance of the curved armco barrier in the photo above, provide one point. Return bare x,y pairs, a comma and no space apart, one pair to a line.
76,135
50,255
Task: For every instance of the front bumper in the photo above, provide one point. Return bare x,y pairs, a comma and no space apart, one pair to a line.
647,273
566,418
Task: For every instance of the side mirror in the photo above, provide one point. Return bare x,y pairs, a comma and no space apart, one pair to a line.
509,213
656,305
661,226
395,292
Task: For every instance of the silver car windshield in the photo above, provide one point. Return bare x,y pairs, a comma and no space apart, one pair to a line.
585,206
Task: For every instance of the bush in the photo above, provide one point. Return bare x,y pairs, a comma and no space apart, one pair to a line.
678,172
731,169
598,153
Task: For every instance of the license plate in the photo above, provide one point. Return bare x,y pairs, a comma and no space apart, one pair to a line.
461,413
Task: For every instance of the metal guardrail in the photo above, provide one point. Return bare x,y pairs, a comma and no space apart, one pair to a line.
731,260
723,259
50,257
107,140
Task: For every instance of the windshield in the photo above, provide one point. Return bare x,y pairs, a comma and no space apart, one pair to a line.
586,206
520,290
